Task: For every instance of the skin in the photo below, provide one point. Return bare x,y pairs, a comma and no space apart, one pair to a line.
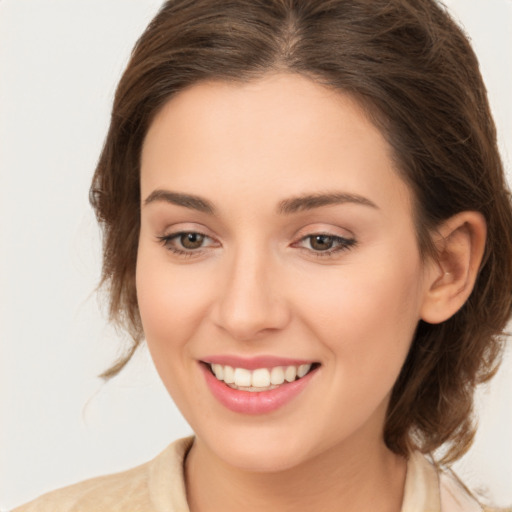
257,286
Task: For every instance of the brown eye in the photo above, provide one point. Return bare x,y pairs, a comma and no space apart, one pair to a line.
321,242
192,240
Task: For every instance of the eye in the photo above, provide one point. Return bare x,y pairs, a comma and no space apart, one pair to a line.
321,244
191,240
186,243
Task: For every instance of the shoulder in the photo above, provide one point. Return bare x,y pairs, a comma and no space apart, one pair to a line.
456,496
140,488
430,488
107,492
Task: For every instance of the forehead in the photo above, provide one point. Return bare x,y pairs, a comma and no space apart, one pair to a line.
281,135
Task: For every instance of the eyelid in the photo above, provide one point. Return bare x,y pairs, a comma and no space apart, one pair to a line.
179,228
324,228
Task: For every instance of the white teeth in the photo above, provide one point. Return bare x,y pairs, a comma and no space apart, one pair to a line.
260,379
229,375
218,370
277,375
303,370
290,374
242,377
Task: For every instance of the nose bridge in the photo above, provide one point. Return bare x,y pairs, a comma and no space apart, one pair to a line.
249,301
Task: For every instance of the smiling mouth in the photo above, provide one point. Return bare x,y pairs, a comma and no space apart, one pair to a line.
260,379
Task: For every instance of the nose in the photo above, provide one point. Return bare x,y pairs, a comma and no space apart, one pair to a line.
250,301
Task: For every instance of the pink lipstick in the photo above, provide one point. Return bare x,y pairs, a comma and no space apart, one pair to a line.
257,385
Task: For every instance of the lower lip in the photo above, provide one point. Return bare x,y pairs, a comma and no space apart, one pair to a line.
257,402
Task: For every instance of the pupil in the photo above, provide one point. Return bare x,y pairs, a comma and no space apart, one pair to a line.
321,242
192,240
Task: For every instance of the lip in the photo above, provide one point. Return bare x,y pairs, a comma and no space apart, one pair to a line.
253,363
258,402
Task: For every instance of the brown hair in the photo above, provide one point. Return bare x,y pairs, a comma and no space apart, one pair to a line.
413,69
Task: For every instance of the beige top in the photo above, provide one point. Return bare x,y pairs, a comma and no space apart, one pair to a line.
158,486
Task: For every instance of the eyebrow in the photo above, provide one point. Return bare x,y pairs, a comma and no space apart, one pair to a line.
186,200
311,201
285,207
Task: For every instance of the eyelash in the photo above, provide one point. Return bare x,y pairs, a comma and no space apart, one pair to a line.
167,240
341,244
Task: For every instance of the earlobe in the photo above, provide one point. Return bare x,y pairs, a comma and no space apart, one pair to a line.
460,243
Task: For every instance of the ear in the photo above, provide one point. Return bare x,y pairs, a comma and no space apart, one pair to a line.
460,243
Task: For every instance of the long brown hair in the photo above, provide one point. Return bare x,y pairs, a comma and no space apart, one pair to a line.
413,70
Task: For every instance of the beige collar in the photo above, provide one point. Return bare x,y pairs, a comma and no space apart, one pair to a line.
430,490
421,493
426,490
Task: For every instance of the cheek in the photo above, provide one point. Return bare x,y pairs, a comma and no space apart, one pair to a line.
366,315
366,323
172,300
171,305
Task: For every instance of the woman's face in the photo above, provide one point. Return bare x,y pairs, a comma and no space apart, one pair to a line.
276,233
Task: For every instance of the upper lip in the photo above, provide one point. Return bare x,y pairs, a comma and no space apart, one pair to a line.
252,363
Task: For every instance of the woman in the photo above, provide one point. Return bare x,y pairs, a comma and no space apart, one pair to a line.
306,218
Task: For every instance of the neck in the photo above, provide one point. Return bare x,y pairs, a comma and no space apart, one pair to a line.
357,476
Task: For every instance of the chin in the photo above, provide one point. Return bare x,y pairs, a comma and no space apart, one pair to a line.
260,451
262,460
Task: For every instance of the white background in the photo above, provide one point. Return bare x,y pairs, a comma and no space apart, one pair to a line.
59,63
